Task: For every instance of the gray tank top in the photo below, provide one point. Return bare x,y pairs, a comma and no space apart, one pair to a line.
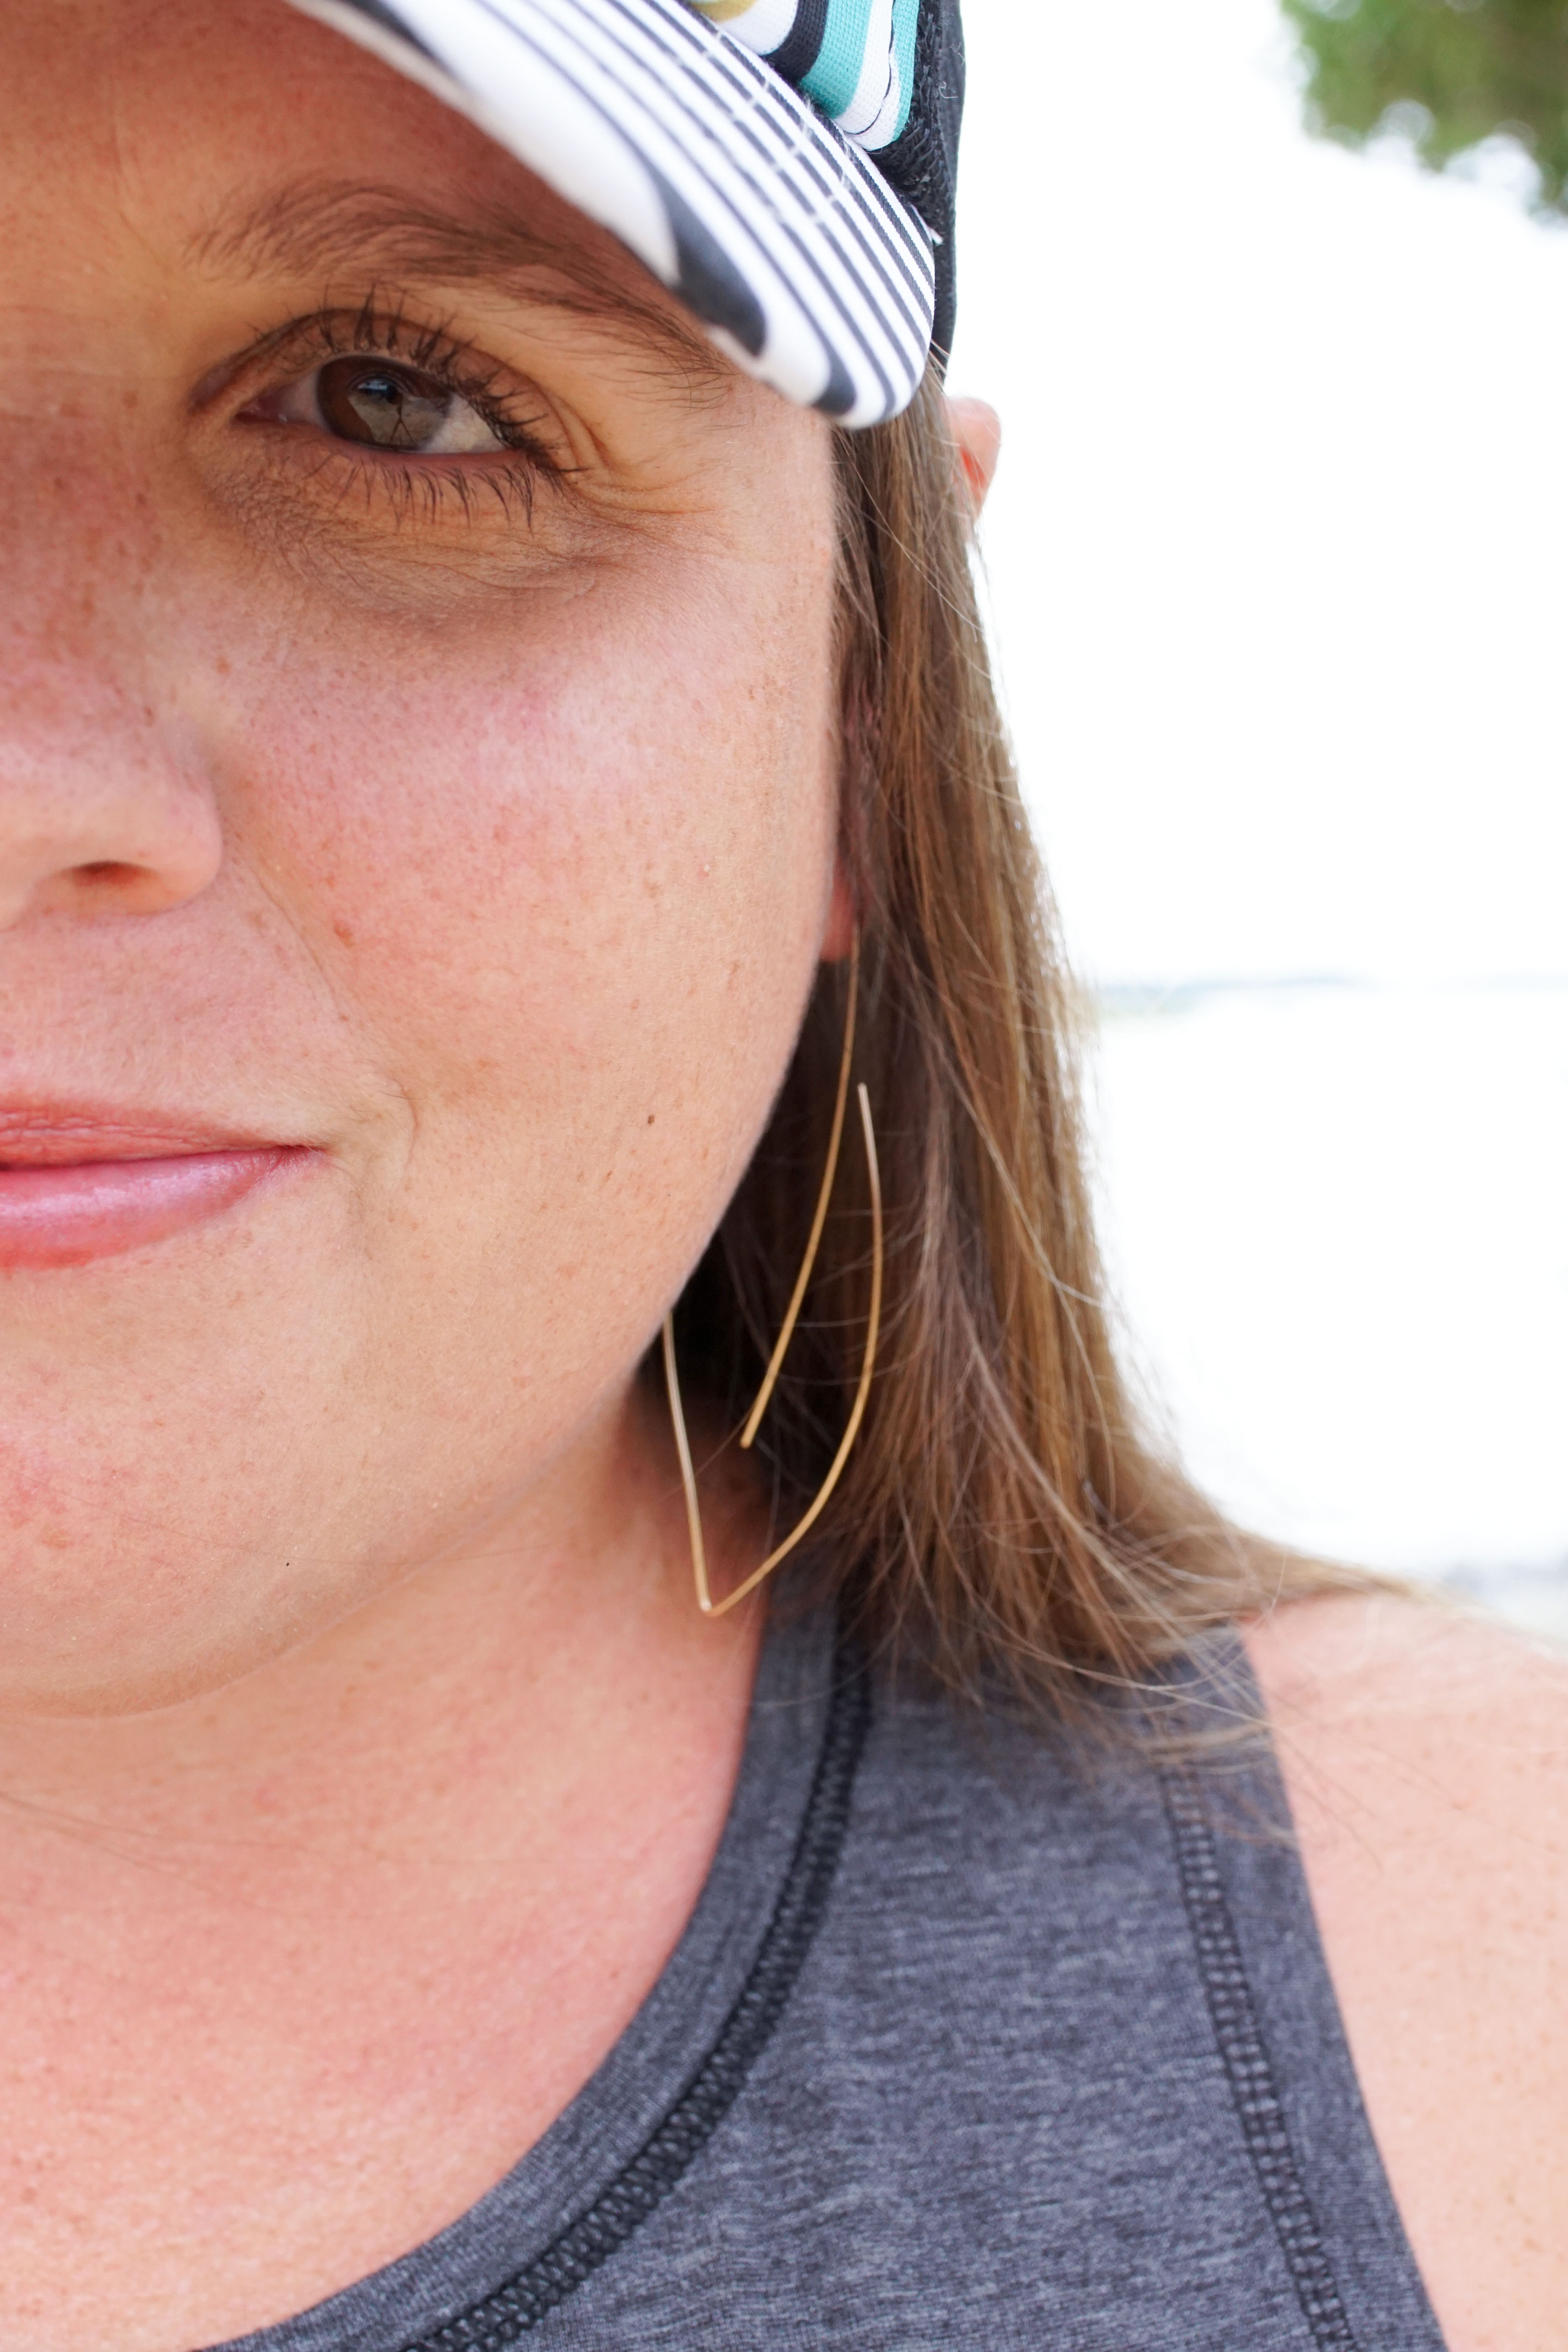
966,2048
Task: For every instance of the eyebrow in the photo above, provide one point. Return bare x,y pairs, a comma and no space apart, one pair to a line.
325,227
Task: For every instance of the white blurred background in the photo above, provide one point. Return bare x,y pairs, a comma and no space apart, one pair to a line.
1277,560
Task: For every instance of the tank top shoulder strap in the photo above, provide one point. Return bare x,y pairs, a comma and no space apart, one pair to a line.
1277,2027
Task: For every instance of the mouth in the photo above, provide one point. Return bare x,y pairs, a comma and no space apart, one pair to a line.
76,1185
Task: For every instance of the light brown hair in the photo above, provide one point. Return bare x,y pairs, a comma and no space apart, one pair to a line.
1004,1509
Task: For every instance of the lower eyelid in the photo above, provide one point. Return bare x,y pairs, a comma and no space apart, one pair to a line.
499,489
501,482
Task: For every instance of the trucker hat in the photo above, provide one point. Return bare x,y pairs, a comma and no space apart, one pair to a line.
785,167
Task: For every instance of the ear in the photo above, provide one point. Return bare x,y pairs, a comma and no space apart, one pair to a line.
977,431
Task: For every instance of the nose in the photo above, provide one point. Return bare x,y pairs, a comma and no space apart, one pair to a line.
106,803
104,809
102,845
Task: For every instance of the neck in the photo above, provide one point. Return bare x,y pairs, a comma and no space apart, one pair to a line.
367,1917
518,1651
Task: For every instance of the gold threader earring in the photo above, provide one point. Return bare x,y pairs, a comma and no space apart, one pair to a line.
705,1601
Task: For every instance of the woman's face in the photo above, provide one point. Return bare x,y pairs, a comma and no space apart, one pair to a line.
417,765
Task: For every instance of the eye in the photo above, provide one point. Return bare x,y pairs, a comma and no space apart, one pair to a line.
384,404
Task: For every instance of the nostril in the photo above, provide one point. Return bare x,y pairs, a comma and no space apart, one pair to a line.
105,870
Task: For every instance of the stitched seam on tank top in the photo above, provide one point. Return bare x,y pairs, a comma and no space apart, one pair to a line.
1247,2070
528,2297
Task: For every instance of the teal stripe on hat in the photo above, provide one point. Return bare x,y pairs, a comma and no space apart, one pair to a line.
905,18
852,30
834,78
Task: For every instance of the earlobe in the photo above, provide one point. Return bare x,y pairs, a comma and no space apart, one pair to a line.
977,431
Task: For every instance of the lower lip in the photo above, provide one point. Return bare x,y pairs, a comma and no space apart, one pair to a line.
101,1208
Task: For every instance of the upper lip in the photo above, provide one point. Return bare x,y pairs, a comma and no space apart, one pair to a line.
64,1135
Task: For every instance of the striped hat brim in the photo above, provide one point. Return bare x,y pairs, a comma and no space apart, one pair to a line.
777,232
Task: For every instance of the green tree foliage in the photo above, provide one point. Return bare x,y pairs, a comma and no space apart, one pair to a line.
1472,68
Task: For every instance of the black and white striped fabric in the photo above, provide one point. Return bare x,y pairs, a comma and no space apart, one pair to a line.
777,228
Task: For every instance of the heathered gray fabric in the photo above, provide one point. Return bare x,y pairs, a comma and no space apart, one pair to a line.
1060,2067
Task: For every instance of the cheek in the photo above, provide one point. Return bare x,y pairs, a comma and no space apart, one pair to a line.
567,868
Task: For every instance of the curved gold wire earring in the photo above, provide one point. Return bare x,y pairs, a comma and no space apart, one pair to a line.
705,1601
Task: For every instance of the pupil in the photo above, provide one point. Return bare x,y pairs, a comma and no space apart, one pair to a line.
381,406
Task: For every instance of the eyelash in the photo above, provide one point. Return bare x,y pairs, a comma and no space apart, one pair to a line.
421,491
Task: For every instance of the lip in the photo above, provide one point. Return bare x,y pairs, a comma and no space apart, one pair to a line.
78,1185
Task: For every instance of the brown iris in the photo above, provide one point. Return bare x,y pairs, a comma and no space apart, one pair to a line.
385,407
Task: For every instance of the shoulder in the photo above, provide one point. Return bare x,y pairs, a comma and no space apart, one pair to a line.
1426,1758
